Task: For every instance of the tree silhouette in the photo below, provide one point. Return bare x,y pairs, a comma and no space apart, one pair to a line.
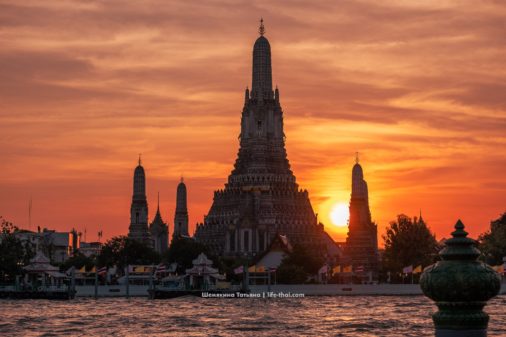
493,242
14,254
408,242
122,251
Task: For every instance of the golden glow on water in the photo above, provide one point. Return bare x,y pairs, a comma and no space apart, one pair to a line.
353,316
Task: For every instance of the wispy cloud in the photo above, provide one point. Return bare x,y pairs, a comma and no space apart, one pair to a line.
416,87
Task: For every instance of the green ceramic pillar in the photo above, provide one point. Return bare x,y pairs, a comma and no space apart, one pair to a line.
461,286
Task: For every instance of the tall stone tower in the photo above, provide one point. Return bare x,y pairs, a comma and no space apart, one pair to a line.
138,229
362,242
181,215
261,197
159,231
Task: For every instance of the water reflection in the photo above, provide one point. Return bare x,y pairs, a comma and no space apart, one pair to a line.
312,316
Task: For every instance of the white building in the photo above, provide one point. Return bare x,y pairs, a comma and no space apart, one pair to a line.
57,246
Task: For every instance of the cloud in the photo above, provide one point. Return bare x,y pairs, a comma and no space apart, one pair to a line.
416,87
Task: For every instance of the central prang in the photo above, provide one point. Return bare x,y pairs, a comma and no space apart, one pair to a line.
261,198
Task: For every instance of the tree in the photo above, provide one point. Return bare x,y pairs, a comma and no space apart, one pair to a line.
183,251
290,274
122,251
408,242
14,254
298,265
493,242
78,260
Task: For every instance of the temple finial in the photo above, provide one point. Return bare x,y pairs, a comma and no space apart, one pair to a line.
261,29
182,179
140,159
356,157
158,207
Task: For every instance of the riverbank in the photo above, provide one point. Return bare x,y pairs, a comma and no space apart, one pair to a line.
306,289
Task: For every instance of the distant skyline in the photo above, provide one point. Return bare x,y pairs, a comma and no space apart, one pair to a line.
417,88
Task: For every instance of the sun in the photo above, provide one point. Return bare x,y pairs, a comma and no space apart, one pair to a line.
339,214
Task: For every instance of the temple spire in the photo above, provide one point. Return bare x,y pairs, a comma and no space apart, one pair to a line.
181,215
138,229
140,159
261,87
261,29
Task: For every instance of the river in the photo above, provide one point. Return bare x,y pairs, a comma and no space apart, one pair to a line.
311,316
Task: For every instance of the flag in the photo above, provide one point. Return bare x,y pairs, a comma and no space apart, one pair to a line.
102,271
82,270
417,270
260,269
252,269
160,268
336,269
239,270
94,269
408,269
359,269
347,269
323,270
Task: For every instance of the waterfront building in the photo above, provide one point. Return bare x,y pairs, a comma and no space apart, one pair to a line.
181,214
261,197
90,248
57,246
138,229
272,257
159,231
361,248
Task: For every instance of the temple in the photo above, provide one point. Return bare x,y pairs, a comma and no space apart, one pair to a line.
181,214
261,198
361,248
138,229
159,231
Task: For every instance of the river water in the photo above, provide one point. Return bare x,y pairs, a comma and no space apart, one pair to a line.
311,316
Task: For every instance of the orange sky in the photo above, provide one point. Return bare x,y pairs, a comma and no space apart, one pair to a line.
418,87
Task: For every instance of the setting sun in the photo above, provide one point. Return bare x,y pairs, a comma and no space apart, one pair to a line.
340,214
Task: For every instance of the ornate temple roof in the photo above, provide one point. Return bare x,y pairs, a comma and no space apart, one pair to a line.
262,70
158,221
40,263
139,180
181,197
358,184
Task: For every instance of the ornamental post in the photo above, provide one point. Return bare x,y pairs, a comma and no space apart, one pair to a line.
461,286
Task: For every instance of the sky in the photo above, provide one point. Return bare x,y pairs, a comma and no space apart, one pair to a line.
416,87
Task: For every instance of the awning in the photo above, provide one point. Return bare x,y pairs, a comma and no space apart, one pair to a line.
56,274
